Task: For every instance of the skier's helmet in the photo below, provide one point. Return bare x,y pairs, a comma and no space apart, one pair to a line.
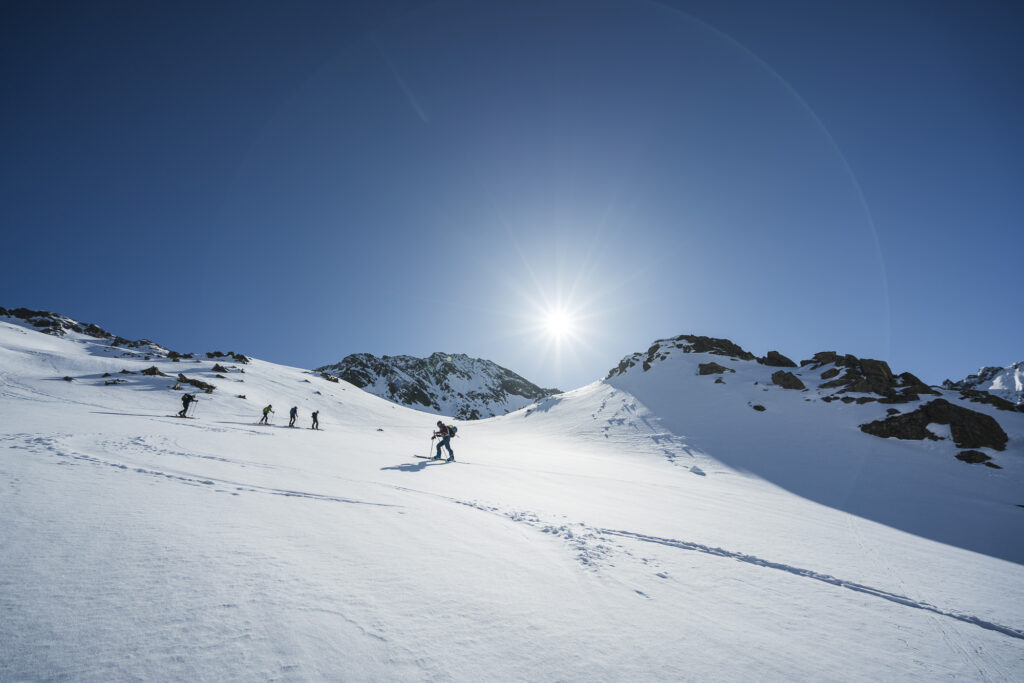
440,424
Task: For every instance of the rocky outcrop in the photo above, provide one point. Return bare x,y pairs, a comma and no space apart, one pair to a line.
449,384
973,457
686,343
712,368
237,357
197,383
970,429
775,359
867,376
975,396
787,380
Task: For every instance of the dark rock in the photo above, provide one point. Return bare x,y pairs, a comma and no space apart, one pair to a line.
687,343
758,407
972,456
775,359
830,373
892,411
719,380
106,374
126,372
197,383
67,379
329,378
117,380
820,358
712,368
977,396
217,367
787,380
865,399
153,371
970,429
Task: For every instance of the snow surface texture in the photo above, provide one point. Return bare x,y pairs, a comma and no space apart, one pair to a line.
1006,383
650,527
443,384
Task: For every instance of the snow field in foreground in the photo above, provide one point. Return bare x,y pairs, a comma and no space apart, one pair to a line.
597,538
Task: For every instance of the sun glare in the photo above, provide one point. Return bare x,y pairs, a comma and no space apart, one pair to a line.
558,323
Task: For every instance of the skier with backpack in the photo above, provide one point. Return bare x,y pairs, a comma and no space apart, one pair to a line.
316,420
445,433
186,401
266,413
292,414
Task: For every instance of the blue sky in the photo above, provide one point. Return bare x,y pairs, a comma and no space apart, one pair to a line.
301,181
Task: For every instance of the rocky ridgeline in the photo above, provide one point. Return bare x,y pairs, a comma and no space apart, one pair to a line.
1005,384
849,379
450,384
59,325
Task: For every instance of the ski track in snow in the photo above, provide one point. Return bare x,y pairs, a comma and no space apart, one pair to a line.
52,445
592,546
593,549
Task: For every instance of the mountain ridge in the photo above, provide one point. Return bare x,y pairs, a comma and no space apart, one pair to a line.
450,384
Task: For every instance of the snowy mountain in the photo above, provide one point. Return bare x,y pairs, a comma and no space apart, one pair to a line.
444,384
672,522
1005,383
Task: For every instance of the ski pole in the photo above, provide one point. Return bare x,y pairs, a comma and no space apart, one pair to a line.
430,452
192,412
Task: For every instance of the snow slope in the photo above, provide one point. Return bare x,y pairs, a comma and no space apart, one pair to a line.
641,528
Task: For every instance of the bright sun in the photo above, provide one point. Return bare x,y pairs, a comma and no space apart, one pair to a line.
558,323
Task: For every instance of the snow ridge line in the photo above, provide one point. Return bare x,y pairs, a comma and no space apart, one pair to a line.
817,576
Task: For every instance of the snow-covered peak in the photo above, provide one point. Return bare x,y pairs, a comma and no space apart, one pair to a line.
445,384
1006,383
59,325
99,339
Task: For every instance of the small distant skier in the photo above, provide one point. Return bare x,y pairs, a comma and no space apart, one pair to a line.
186,401
292,414
316,422
266,413
445,434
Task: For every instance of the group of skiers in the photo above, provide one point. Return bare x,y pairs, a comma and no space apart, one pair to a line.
293,415
444,432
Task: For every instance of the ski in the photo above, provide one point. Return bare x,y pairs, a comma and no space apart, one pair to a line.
430,457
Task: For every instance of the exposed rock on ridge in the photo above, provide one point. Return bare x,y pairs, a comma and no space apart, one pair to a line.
1006,385
448,384
687,343
970,429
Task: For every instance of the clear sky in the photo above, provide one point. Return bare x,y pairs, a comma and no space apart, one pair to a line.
300,181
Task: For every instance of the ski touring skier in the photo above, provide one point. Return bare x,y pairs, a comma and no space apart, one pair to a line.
316,420
292,414
186,401
266,413
445,433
